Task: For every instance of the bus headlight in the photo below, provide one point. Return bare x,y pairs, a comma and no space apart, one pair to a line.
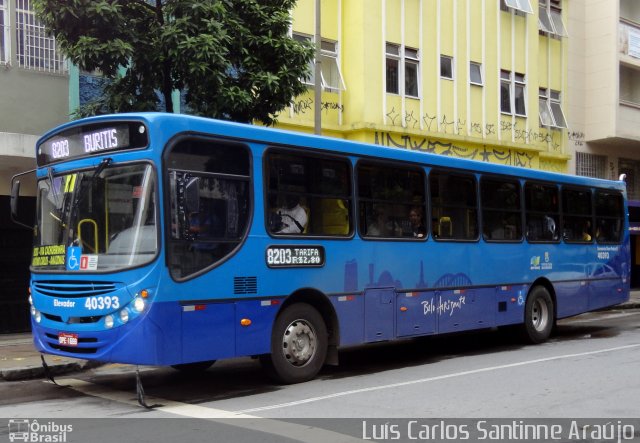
31,300
33,311
108,321
124,316
38,316
138,304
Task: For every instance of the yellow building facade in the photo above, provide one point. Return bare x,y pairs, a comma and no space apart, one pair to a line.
477,79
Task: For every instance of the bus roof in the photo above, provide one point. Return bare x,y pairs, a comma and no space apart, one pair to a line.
176,123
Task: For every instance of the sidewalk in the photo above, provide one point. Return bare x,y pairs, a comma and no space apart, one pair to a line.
19,360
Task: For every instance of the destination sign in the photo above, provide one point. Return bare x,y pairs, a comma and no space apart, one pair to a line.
92,139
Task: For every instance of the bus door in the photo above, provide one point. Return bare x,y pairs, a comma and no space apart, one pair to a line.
378,314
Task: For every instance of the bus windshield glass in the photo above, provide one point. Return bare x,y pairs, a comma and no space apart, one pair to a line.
97,220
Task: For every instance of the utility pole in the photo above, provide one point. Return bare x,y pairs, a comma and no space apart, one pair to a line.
317,109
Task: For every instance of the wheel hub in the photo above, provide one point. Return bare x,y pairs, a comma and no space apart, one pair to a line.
540,315
299,343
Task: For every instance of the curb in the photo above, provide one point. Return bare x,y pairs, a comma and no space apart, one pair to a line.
31,372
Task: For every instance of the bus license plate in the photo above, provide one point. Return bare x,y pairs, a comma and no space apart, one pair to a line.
67,339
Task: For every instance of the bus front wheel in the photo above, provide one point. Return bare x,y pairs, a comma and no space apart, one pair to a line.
539,315
298,345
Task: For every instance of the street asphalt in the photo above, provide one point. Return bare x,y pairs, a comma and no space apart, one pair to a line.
19,360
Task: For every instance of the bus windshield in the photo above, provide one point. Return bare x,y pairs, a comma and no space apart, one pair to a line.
96,220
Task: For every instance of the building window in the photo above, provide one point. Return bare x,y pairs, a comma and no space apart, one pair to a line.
591,165
551,114
397,57
475,73
512,93
330,70
36,48
518,5
411,64
446,67
4,32
631,168
550,18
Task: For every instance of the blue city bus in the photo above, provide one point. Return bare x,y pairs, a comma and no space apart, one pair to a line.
175,240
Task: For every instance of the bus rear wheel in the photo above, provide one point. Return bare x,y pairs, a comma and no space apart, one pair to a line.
539,315
298,345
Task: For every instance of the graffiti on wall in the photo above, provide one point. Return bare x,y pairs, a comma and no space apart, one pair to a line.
460,127
305,105
503,156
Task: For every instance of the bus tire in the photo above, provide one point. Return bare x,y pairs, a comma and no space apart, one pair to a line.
539,315
194,368
298,345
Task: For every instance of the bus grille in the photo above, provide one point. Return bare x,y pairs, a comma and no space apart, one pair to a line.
245,285
71,289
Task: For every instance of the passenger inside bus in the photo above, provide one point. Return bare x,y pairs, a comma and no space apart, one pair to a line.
290,218
417,226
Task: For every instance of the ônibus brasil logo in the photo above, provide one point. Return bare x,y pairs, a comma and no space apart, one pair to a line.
22,429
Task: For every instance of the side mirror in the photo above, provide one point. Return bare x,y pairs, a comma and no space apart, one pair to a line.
15,195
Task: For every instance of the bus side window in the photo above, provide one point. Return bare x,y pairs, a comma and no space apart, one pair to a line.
609,216
307,195
542,212
577,215
454,202
387,195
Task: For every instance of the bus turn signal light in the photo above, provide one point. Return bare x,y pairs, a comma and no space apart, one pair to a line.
144,293
245,322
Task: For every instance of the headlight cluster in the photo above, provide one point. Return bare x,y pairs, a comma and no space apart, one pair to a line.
37,316
134,308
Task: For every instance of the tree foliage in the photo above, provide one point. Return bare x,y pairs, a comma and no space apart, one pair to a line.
233,59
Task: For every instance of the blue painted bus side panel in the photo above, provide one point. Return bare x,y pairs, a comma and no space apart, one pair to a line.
378,314
256,338
416,314
510,304
460,310
208,331
572,297
604,293
350,312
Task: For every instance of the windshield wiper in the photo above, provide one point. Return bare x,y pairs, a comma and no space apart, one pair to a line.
53,188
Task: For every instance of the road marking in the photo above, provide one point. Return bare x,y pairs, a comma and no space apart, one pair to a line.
294,431
430,379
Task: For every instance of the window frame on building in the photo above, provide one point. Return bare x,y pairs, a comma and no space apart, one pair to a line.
36,49
399,58
479,73
591,165
447,69
5,34
516,86
550,18
518,5
329,66
550,109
